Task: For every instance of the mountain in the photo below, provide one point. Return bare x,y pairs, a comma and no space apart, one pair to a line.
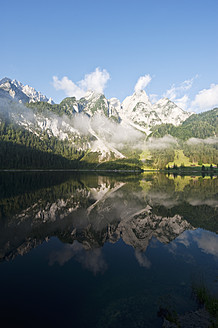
169,112
203,125
94,129
135,110
139,112
96,103
13,89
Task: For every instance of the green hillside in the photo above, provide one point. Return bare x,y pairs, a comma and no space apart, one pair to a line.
64,108
19,148
202,126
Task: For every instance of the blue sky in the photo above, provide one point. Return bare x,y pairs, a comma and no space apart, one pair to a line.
172,41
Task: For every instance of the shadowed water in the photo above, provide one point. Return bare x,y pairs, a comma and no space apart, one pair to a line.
88,250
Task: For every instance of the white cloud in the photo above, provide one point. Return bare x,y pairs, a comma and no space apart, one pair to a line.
142,82
117,135
207,242
81,122
208,202
95,81
196,141
161,143
178,91
182,102
184,239
206,99
70,88
142,259
90,259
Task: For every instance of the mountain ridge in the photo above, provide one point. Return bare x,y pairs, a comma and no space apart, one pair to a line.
94,129
136,108
22,93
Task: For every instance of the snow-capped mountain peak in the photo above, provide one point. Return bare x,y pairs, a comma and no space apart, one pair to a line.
94,132
163,101
92,94
130,102
114,106
136,110
22,93
169,112
5,80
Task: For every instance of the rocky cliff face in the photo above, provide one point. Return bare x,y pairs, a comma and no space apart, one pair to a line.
23,93
136,110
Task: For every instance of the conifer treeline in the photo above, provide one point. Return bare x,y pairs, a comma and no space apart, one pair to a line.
20,148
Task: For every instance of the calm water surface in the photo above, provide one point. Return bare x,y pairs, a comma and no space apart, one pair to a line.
84,250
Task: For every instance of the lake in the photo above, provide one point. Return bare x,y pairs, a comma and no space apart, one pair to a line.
81,249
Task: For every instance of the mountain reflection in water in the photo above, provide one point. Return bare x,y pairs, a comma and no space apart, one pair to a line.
119,245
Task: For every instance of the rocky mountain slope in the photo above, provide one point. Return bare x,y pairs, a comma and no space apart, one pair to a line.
103,129
13,89
137,109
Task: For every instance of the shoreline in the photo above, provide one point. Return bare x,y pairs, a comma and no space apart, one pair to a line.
174,172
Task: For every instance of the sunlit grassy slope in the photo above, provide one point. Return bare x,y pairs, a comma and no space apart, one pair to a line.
146,159
180,159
